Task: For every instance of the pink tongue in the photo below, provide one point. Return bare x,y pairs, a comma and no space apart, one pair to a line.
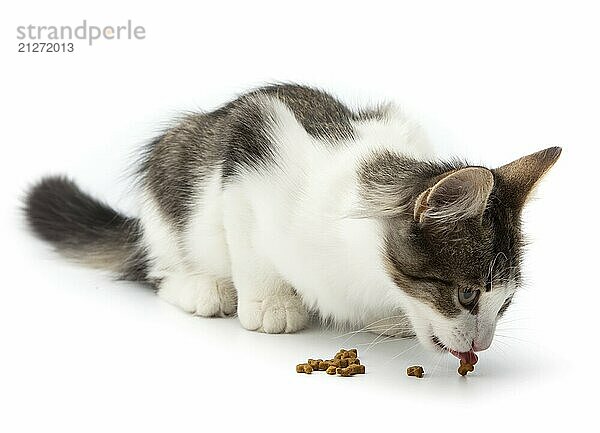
468,357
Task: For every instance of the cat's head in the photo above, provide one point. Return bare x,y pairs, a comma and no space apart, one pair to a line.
455,245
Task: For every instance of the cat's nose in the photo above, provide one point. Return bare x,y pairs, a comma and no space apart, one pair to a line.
484,336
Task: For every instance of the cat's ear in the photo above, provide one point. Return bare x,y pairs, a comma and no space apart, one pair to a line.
458,195
518,179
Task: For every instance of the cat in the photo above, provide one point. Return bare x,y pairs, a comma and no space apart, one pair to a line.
285,203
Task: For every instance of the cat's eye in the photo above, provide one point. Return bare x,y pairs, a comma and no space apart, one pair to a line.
468,297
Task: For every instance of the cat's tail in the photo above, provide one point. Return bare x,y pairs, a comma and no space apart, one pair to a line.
85,229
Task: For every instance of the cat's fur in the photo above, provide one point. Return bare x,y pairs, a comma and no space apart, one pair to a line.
285,202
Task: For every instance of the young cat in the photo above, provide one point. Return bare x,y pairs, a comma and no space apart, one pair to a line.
285,202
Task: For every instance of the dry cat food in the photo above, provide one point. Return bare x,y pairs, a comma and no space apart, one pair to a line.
351,370
331,369
465,368
415,370
304,368
344,363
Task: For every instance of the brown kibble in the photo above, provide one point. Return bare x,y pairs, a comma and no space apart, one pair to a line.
415,370
304,368
357,369
314,363
465,368
345,372
324,365
334,362
345,363
346,354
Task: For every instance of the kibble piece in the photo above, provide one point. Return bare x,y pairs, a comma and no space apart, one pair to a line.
314,363
357,369
331,369
346,354
345,372
324,365
353,361
465,368
304,368
415,370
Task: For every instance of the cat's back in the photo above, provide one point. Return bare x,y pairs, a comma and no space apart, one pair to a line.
333,124
244,134
328,120
298,129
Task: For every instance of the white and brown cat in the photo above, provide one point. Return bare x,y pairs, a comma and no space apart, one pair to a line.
284,202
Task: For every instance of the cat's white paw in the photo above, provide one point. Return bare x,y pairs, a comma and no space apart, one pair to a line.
276,314
218,299
199,295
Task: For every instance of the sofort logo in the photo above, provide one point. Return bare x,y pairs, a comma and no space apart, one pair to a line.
83,32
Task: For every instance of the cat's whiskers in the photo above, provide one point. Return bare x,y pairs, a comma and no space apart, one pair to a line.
522,340
504,343
403,352
512,319
439,358
369,329
374,329
376,340
382,319
513,328
391,340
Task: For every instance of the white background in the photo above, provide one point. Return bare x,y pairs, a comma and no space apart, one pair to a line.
80,352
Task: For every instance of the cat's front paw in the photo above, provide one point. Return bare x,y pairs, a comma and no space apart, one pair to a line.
217,300
276,314
199,295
